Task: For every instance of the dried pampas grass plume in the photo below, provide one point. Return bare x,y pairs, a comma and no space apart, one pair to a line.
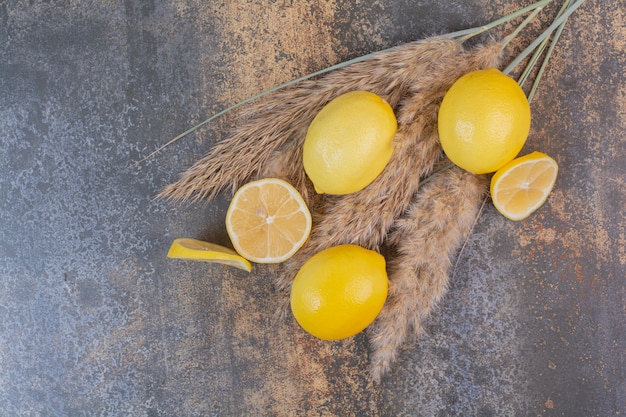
279,123
422,221
365,217
425,240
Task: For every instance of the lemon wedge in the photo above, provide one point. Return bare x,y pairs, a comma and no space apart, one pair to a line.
198,250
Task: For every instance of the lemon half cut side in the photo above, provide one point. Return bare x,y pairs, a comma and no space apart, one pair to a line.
522,186
268,221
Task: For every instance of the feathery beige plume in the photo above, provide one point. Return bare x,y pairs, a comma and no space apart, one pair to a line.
364,218
279,123
425,240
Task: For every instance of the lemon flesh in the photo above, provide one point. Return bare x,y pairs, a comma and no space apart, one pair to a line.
349,142
268,220
523,185
198,250
339,291
483,121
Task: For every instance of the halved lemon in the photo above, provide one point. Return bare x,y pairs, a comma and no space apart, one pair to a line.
523,185
268,221
198,250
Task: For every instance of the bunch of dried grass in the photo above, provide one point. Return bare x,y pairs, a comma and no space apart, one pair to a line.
413,79
268,141
424,226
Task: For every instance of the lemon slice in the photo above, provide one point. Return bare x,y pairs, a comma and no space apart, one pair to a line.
268,221
198,250
523,185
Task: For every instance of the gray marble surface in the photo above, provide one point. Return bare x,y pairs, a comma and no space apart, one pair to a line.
95,320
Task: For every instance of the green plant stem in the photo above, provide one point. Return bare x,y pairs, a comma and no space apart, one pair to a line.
462,35
555,39
465,34
539,51
557,22
521,26
533,60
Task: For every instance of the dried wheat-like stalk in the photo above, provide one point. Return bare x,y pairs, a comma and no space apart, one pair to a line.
438,220
423,224
281,121
365,217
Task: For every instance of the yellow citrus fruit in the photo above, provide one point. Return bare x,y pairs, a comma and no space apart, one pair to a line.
349,142
268,221
339,291
523,185
484,120
198,250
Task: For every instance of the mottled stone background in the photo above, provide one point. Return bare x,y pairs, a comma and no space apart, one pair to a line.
94,320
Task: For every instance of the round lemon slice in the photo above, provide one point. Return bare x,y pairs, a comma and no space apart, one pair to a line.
198,250
523,185
268,221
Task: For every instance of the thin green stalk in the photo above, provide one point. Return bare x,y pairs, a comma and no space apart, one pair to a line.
557,22
535,85
521,26
463,35
539,51
532,62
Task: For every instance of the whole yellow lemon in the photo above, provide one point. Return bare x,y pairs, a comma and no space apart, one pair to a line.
339,291
349,142
484,120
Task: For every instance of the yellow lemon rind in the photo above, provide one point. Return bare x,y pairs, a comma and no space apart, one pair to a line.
349,142
198,250
339,292
483,121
